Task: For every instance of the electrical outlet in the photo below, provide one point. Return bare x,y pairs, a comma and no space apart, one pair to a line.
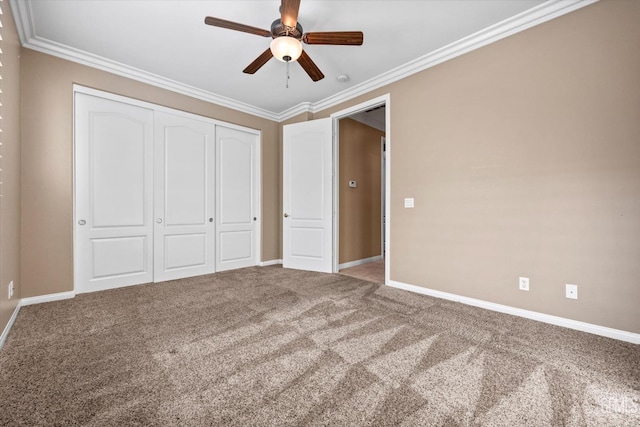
523,283
571,291
10,289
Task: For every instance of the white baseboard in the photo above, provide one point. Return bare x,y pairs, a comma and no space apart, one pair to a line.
48,298
30,301
604,331
359,262
7,328
270,262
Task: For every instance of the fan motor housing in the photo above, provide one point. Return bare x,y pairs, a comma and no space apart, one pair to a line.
279,29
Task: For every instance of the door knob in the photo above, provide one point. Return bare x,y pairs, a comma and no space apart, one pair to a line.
210,219
286,215
159,220
255,219
82,222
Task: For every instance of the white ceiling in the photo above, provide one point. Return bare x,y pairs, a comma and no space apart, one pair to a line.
167,43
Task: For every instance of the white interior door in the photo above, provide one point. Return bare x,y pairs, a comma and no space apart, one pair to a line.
307,227
237,199
183,197
113,194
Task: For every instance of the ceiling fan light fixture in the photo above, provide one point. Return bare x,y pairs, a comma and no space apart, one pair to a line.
286,48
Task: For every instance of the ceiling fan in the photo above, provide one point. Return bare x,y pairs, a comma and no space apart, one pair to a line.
287,35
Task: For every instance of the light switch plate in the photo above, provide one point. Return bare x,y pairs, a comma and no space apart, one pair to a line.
408,202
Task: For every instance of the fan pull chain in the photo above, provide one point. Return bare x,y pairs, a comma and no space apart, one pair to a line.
287,80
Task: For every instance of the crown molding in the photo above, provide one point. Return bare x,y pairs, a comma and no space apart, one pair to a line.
28,38
530,18
303,107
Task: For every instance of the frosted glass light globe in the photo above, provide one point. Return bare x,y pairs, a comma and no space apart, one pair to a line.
286,46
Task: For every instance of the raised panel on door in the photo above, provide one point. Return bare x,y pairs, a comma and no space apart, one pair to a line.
237,198
307,196
184,197
119,256
113,194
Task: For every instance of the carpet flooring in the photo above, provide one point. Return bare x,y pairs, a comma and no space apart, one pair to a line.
275,347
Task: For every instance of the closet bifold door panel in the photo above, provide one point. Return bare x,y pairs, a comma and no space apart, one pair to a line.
184,224
113,214
237,198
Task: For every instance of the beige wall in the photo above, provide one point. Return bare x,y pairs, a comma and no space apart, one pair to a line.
47,163
524,160
360,215
10,201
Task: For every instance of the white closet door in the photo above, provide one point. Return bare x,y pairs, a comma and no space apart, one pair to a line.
113,194
237,199
183,197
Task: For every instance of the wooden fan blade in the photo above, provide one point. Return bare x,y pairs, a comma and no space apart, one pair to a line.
349,38
289,12
310,67
217,22
259,62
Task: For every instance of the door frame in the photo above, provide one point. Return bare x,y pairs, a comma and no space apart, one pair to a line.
383,185
375,102
76,88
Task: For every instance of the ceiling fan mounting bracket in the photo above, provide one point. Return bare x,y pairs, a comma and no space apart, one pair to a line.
278,29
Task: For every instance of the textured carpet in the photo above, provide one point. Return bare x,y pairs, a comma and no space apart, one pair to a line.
269,346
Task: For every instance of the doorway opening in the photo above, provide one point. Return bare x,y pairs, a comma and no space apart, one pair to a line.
361,191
